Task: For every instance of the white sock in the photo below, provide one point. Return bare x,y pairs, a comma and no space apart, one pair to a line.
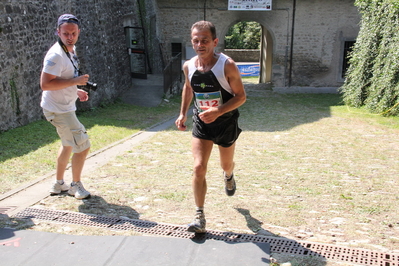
200,209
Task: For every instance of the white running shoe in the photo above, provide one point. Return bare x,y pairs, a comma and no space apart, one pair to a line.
57,188
78,191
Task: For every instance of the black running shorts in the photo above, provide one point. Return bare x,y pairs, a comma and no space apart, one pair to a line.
223,132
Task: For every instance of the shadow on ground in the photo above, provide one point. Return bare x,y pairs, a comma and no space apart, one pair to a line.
98,206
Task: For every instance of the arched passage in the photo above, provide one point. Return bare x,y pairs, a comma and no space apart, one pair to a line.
266,52
266,56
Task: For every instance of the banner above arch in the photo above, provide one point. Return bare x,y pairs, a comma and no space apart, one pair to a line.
248,5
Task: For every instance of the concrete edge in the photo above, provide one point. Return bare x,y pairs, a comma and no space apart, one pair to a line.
287,90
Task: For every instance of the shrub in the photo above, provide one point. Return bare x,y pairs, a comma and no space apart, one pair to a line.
373,74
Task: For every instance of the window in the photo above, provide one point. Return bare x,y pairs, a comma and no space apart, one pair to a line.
348,45
176,49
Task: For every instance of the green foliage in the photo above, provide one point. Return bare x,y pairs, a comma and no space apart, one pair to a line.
373,76
244,35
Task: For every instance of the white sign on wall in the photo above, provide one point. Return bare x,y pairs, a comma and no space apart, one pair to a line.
254,5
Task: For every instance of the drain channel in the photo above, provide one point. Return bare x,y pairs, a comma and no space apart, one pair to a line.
277,244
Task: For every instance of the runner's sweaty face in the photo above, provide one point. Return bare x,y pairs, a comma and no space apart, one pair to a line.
202,41
69,34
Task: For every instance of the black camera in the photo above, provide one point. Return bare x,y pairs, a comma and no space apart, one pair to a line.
91,86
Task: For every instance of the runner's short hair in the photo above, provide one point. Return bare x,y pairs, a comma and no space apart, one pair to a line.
205,25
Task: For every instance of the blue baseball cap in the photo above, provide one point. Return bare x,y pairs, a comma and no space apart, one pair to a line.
67,18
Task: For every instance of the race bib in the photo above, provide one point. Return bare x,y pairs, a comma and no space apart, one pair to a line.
208,99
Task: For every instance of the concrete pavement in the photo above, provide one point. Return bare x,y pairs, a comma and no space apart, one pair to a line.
41,248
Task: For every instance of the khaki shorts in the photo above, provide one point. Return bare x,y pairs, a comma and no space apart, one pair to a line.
70,130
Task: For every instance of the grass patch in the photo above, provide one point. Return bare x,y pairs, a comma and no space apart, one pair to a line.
30,151
250,79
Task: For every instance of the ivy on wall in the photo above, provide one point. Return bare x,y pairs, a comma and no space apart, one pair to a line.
372,79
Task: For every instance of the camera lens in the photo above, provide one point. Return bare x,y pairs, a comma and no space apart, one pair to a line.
92,84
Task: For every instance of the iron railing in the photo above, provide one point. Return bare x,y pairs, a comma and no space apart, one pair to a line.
172,73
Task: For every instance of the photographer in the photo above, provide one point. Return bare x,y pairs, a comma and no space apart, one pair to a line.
59,81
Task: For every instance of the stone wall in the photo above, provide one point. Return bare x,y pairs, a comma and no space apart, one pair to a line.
320,28
27,31
243,55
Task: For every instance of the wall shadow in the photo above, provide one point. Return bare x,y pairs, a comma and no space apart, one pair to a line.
264,111
20,141
267,111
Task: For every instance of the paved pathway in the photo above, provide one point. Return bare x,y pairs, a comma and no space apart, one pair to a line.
41,248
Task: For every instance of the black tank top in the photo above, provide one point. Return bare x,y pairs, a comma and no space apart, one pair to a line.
208,91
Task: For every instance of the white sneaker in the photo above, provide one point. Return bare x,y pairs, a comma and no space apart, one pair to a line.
57,188
78,191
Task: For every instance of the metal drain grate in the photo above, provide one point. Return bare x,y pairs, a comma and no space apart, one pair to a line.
277,244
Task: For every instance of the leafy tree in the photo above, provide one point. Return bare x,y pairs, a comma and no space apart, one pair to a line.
373,76
244,35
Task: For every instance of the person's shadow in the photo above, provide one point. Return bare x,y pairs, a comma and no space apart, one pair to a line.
5,233
98,206
8,227
277,247
253,224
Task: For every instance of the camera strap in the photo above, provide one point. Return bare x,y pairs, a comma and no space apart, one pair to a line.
67,53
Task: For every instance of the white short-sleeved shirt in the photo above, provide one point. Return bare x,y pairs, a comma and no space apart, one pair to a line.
57,63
